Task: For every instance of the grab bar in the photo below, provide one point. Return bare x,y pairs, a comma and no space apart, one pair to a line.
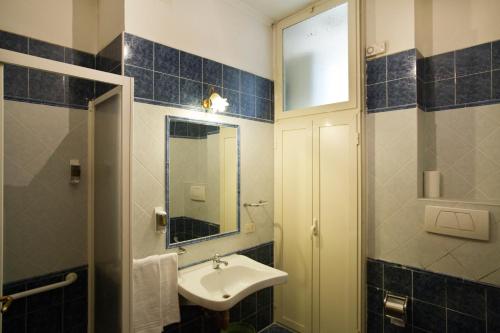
258,204
7,300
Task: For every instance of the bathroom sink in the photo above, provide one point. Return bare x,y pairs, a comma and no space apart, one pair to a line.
220,289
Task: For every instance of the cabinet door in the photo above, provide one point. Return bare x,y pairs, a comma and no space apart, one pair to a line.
335,246
293,214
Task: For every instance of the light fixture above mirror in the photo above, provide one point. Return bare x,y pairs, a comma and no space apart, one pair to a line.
215,103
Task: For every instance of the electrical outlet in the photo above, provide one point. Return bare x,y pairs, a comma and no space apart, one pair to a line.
249,228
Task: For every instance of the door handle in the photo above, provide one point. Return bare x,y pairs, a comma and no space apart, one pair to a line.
314,227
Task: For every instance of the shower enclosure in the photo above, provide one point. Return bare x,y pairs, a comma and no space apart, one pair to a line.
65,195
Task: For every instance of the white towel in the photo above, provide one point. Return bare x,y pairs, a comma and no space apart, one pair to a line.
168,289
147,301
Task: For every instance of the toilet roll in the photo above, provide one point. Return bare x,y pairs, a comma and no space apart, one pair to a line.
432,184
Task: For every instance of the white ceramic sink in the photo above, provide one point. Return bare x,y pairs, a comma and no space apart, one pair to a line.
220,289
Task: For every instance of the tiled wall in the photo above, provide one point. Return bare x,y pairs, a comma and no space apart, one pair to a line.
187,228
186,130
256,309
109,59
437,303
462,78
35,86
171,77
396,214
391,82
59,310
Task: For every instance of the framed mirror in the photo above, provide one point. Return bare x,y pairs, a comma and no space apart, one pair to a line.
202,180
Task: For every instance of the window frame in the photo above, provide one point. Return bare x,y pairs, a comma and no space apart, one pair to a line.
353,56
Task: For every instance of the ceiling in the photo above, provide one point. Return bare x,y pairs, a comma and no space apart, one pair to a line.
277,9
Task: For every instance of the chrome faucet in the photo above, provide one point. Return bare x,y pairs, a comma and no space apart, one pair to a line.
216,261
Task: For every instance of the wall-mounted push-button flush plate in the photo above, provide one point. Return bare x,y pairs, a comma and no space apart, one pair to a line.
465,223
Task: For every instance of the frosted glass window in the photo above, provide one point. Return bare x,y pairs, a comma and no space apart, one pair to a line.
316,60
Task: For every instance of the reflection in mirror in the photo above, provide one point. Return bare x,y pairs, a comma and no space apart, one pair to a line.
202,180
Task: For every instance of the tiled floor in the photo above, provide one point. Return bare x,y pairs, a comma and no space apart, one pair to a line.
276,328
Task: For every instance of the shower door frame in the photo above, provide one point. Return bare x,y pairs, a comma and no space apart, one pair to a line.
127,98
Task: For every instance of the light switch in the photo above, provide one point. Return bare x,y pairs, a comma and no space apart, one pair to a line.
197,193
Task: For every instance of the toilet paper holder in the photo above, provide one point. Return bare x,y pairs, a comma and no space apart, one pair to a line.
395,308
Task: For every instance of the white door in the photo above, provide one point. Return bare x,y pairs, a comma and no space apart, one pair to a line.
293,215
335,243
228,178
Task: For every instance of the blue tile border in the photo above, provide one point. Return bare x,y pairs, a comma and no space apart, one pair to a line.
185,78
440,303
457,79
57,310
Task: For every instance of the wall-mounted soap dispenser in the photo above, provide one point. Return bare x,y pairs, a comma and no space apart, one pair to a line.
75,171
161,220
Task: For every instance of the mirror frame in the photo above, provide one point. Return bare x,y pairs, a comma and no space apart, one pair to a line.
168,119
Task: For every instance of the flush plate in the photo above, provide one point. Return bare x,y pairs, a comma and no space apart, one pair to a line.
464,223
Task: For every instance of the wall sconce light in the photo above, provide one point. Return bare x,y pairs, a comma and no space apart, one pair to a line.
215,102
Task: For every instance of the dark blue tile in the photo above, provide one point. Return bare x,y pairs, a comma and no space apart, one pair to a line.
79,58
263,88
48,319
265,297
79,91
208,89
493,309
166,59
78,289
376,70
466,297
375,300
18,307
166,88
374,271
397,279
45,50
14,325
439,93
231,77
402,65
264,253
247,83
247,105
473,60
249,305
429,317
235,313
212,72
101,87
420,66
190,93
13,42
495,84
46,86
143,81
190,312
264,318
233,98
43,300
473,88
139,52
16,81
195,326
190,66
75,316
402,92
376,97
495,52
263,108
110,57
430,288
460,323
439,67
374,323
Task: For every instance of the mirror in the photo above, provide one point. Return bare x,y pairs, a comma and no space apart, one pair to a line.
202,180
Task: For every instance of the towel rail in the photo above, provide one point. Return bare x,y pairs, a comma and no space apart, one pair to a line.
256,204
7,300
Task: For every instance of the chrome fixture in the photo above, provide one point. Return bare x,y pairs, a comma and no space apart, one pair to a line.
7,300
75,170
395,309
181,250
216,261
161,220
255,204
